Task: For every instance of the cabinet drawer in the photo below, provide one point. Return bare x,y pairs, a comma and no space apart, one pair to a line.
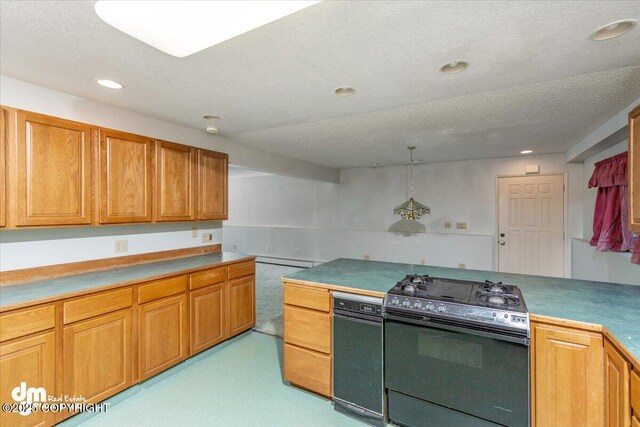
204,278
242,269
307,328
24,322
316,299
307,369
86,307
162,288
635,393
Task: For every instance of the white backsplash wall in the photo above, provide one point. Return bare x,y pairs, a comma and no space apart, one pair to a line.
40,247
295,218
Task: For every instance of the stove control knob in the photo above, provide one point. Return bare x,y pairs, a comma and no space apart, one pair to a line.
417,304
442,308
395,301
406,303
429,306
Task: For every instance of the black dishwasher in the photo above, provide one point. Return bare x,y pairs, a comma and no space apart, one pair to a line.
357,357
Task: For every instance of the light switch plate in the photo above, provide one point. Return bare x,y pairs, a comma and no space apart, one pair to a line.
461,225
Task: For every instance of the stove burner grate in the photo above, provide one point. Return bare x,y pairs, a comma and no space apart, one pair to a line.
499,299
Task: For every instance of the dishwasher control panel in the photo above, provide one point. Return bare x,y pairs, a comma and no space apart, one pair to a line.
357,303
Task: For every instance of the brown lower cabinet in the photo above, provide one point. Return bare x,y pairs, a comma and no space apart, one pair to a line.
568,377
635,397
97,356
616,383
307,338
208,317
163,336
30,360
242,302
90,346
222,304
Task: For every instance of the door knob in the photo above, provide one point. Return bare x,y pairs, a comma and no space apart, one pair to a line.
502,242
501,234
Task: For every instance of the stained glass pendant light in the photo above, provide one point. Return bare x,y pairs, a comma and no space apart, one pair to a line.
410,211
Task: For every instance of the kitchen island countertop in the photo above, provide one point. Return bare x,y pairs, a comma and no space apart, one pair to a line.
612,305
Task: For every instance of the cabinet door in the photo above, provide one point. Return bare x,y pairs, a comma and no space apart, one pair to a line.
616,383
97,356
163,334
32,361
634,169
208,317
53,170
568,379
125,177
307,369
3,167
175,182
213,170
242,304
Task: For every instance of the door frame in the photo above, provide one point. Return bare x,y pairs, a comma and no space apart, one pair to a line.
566,269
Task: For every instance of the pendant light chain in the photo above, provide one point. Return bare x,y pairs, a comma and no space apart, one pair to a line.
411,173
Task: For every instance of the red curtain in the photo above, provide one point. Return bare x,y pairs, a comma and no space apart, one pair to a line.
611,215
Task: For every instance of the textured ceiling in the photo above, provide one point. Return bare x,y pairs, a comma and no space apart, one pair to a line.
535,80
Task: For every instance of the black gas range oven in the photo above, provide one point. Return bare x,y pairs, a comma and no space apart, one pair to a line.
456,353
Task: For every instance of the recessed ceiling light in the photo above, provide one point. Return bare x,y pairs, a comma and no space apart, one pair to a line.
344,91
182,28
454,67
212,129
109,83
526,152
375,165
211,117
613,29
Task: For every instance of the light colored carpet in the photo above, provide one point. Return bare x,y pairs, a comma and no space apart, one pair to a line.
269,297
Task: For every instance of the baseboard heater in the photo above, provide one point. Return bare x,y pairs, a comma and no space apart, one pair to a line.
287,262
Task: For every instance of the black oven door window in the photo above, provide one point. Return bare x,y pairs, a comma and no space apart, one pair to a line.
484,377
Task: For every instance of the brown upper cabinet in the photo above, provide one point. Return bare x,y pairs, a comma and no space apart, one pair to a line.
634,169
56,172
126,168
53,171
3,167
213,169
175,182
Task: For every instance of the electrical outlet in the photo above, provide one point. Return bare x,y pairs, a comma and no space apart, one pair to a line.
194,231
235,246
121,246
422,262
366,257
447,225
297,251
461,225
462,265
207,237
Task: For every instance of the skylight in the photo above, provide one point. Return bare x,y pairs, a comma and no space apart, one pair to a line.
182,28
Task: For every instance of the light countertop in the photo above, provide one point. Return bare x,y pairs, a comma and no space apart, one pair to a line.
612,305
14,296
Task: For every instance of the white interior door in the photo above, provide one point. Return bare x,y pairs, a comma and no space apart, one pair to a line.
531,225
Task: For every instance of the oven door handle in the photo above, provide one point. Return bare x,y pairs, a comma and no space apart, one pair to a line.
447,327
